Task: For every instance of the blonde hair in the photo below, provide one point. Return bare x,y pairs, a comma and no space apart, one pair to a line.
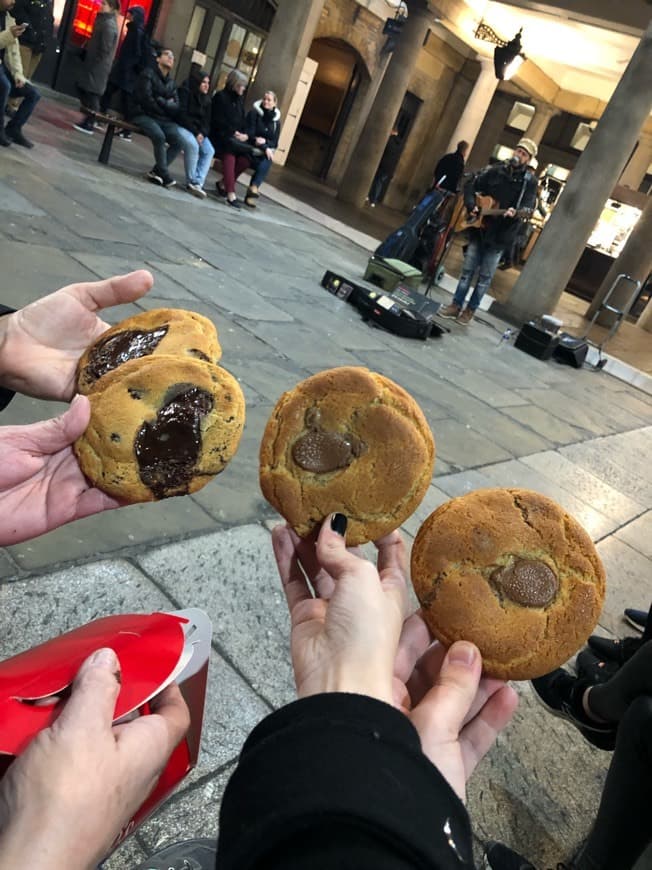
274,95
235,78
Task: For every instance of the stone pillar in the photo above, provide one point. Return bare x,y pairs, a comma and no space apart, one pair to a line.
555,255
635,260
637,168
477,105
536,129
286,49
365,158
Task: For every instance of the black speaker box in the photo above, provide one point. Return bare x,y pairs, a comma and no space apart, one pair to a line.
536,341
571,351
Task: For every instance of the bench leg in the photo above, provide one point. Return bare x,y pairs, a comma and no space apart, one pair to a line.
105,153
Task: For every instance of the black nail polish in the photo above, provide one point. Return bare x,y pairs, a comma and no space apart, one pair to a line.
339,523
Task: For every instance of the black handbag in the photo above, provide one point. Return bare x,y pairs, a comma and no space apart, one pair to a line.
243,149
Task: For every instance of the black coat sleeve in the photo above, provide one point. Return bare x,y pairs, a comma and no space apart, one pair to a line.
340,781
5,395
184,118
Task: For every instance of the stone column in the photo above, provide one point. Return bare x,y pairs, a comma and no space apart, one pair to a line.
286,49
477,105
536,129
366,155
635,260
555,255
637,168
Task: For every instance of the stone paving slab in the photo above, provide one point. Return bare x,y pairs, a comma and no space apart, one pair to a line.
232,576
597,458
463,447
629,582
557,431
638,534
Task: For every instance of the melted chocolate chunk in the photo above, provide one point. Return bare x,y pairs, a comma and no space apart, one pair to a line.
111,352
167,449
527,582
320,451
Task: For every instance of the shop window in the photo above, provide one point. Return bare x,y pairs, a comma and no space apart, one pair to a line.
85,14
213,42
196,24
243,52
249,54
234,46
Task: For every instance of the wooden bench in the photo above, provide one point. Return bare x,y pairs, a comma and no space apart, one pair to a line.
112,125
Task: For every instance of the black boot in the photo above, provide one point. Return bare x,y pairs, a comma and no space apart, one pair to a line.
5,141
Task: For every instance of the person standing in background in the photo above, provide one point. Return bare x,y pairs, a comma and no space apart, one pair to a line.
37,14
100,50
450,169
386,167
133,56
13,82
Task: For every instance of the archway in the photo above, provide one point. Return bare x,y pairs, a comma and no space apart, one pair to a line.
340,73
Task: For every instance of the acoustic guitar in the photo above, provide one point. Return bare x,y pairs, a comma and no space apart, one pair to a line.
487,208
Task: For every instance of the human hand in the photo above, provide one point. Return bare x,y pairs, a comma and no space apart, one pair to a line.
511,212
241,137
200,137
457,713
66,798
41,484
345,639
40,344
260,140
16,31
269,153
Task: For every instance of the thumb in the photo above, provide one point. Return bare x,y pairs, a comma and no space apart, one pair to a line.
51,436
332,554
456,687
94,694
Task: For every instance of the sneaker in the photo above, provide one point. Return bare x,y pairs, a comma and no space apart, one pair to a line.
168,181
188,855
5,141
98,125
561,694
155,175
451,311
125,135
465,317
593,669
234,203
85,127
250,201
253,191
17,137
497,856
636,618
619,651
196,190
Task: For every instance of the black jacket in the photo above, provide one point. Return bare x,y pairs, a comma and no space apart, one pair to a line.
451,168
194,108
38,14
227,117
340,781
135,53
100,49
511,187
155,95
263,123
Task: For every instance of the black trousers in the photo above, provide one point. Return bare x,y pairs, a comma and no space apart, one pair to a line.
107,99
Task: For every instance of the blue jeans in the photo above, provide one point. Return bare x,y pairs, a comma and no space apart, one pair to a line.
483,260
197,158
260,172
8,89
161,132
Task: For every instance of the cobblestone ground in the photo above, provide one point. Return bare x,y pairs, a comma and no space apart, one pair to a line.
499,417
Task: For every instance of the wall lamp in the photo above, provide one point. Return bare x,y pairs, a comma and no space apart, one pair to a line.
508,56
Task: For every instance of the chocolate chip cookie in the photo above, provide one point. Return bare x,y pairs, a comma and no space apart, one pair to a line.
168,331
511,571
351,441
161,426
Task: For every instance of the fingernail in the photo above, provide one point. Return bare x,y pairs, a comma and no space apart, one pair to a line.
339,523
105,658
462,653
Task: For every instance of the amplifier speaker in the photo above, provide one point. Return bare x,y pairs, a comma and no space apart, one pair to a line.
571,350
536,341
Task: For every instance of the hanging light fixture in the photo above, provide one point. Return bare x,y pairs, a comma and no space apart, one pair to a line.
508,56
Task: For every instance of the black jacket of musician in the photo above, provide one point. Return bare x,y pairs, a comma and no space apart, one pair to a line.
511,187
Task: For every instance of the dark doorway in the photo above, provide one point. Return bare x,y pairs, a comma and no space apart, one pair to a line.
328,106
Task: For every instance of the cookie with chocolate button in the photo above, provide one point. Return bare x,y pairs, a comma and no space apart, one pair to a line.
512,572
161,426
347,441
166,331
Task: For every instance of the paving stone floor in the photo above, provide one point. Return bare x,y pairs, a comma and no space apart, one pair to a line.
499,418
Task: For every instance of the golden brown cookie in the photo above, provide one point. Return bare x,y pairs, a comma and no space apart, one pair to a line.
351,441
161,426
512,572
168,331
